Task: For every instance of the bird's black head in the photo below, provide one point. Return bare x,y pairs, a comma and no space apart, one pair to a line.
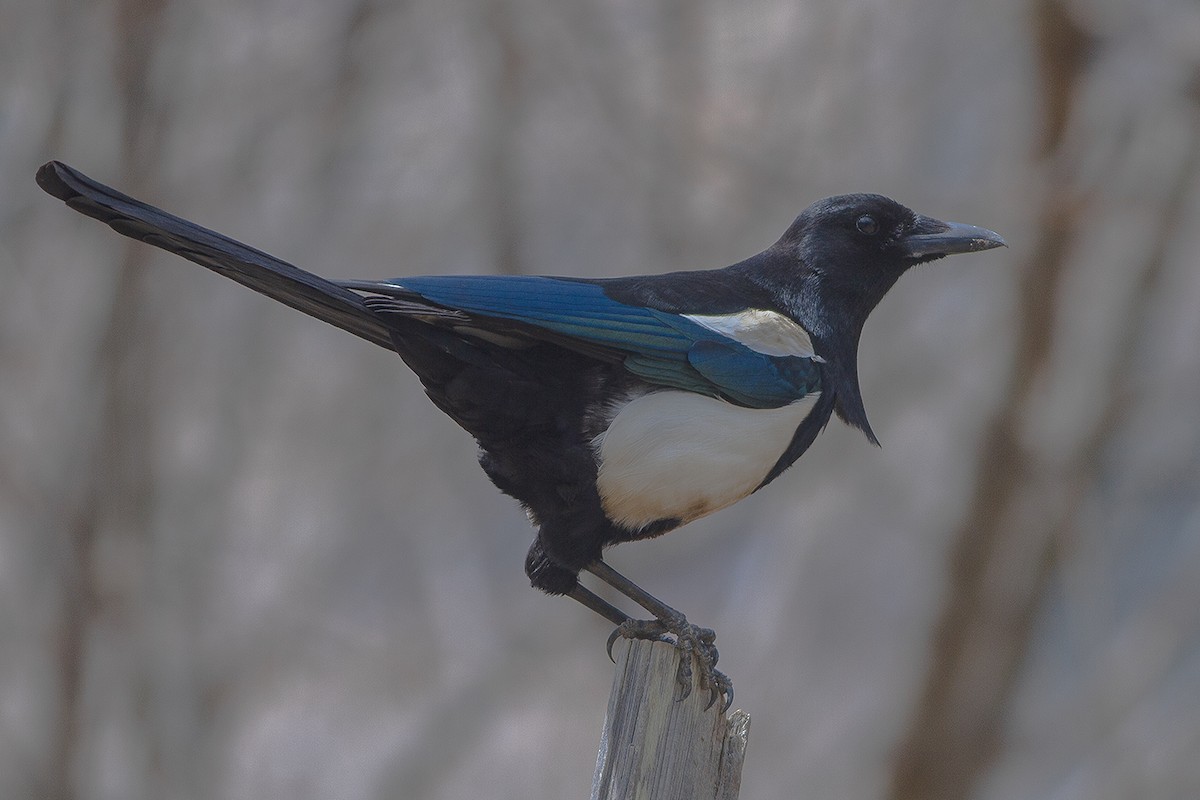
857,245
838,260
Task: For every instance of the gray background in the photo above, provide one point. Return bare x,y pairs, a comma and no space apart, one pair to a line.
241,556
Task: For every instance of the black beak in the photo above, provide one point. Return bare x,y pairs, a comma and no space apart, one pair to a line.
932,238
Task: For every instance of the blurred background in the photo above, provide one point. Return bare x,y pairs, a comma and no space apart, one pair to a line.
242,556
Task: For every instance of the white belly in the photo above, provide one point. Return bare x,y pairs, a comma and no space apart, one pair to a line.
673,454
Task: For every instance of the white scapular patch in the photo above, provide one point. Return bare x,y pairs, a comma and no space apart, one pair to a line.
766,332
681,455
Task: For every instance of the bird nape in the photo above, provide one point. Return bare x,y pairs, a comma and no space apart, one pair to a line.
621,408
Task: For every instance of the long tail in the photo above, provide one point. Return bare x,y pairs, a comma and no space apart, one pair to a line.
261,272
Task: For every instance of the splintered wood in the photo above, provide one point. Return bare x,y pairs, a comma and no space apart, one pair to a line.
654,747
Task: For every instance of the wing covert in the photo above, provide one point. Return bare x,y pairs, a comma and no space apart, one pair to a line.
659,347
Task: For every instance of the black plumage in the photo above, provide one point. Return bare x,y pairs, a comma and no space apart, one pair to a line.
613,409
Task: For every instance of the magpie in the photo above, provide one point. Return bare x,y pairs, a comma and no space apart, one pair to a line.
613,409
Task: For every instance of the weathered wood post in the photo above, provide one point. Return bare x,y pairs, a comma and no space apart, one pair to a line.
657,748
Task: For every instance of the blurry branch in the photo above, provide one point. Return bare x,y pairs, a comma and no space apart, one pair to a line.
117,496
678,144
504,107
342,101
1023,512
1061,48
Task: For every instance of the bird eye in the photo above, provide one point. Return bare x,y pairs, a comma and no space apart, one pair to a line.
867,224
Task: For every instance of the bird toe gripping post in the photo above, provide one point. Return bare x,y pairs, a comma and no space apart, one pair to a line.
670,626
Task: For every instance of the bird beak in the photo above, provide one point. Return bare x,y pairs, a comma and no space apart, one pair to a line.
932,238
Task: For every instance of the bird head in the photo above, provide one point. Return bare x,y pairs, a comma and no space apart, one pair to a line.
837,261
857,245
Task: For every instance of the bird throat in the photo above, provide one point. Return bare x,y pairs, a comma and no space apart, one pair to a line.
841,377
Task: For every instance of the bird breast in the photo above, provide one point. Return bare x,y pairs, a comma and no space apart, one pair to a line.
679,455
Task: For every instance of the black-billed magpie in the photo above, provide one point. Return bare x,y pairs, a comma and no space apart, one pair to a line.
613,409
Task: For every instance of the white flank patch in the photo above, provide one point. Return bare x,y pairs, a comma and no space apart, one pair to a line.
766,332
681,455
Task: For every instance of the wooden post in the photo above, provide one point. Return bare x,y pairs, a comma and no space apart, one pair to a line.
656,748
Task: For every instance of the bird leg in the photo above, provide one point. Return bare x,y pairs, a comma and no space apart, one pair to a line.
598,604
667,622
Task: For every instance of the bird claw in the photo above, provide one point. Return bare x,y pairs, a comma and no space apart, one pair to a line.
692,641
648,629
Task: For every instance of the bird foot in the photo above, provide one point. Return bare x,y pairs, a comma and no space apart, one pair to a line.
691,640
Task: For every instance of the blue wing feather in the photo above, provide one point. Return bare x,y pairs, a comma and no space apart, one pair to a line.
752,378
657,346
